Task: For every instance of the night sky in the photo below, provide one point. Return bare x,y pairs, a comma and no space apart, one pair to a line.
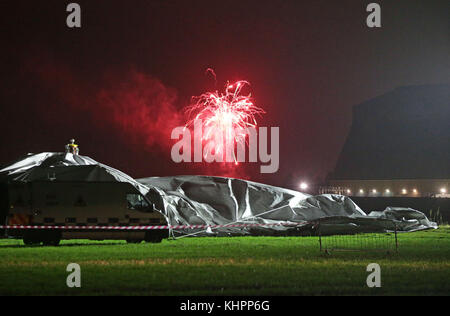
118,83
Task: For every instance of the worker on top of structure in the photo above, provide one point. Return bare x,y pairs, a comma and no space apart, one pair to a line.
72,148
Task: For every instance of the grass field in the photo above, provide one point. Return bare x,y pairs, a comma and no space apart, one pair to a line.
226,266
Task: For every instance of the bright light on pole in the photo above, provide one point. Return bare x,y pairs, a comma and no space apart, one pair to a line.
303,185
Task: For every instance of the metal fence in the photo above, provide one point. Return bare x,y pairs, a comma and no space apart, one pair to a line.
382,242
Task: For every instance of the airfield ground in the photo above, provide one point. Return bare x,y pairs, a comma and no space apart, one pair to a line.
226,266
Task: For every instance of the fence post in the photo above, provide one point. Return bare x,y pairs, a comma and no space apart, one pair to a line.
396,240
320,237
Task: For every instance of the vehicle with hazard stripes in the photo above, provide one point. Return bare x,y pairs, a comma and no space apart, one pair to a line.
70,193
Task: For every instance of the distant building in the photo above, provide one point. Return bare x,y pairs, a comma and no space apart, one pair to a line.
398,145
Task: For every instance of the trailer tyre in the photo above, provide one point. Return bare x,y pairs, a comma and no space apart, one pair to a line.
54,242
51,238
134,241
29,240
155,237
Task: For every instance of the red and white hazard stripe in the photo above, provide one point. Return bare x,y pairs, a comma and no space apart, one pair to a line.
146,227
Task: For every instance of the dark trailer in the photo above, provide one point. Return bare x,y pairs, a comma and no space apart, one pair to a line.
65,189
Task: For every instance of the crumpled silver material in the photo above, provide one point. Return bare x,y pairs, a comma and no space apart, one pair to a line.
193,200
51,166
204,200
408,219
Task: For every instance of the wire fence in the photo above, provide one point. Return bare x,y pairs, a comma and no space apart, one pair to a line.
384,242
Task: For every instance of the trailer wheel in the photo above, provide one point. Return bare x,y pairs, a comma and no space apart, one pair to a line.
53,242
31,238
134,241
29,241
155,237
51,238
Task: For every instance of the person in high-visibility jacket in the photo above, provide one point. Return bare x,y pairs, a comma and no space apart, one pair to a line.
72,148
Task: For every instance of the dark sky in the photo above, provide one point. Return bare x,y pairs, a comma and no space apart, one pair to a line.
118,83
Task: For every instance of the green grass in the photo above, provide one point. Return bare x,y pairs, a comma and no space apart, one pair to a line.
226,266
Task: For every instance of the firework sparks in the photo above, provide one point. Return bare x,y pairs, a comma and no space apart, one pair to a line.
229,113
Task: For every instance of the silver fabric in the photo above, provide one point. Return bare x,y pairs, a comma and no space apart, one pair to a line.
50,166
204,200
191,200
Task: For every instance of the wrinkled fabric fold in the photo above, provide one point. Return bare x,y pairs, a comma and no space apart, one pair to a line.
193,200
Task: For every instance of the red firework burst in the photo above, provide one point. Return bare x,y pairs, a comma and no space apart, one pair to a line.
229,113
